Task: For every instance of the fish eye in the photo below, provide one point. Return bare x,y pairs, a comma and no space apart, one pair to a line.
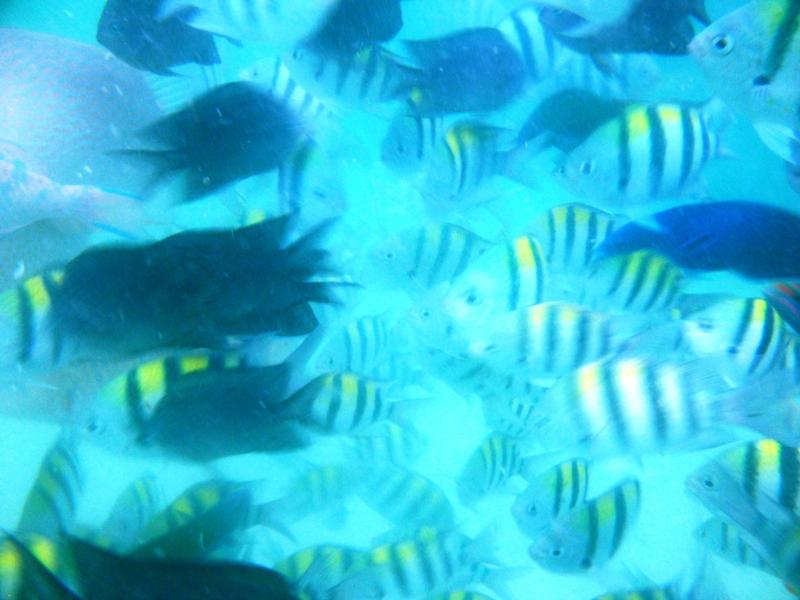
532,508
472,298
388,255
722,44
586,167
586,563
297,54
401,149
733,350
705,325
556,552
708,483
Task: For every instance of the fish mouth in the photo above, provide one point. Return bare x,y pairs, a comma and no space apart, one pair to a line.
697,47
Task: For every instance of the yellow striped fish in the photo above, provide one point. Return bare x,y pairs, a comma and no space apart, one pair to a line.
46,572
134,508
316,490
388,442
497,459
730,542
331,564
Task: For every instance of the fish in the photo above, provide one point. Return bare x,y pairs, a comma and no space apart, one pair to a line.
642,26
357,346
650,151
131,31
389,442
653,593
420,258
353,24
727,540
406,498
716,236
411,140
51,504
497,459
316,490
133,509
253,129
329,564
639,282
197,406
280,25
103,573
784,297
749,57
30,197
570,235
480,64
540,51
26,569
510,412
550,495
192,289
462,595
591,534
68,125
746,334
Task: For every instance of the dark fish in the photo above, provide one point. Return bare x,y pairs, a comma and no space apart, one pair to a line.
652,26
132,31
193,289
566,118
755,240
354,24
109,576
234,131
469,71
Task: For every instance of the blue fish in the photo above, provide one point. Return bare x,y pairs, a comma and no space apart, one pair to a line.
755,240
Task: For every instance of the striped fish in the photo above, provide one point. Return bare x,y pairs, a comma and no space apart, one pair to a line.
621,76
747,334
425,256
316,490
357,347
569,234
544,340
331,564
133,509
388,442
785,298
362,79
497,459
591,534
19,579
540,51
791,359
728,541
341,403
406,498
551,495
27,336
650,151
638,282
49,508
632,404
411,140
511,412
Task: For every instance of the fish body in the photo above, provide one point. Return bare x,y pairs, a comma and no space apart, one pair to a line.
339,563
538,48
497,459
132,511
132,32
411,141
591,534
35,567
730,542
389,443
357,346
353,24
316,490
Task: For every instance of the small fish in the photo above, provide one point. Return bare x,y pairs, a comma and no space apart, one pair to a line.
250,127
337,564
104,573
497,459
406,498
353,24
357,346
133,34
746,334
551,495
727,540
423,257
639,282
570,234
650,151
132,511
281,24
511,412
35,567
716,236
785,298
591,534
51,503
411,141
472,70
314,491
388,442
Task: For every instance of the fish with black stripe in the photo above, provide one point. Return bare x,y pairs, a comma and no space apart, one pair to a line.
497,459
316,490
591,534
728,541
551,495
321,565
391,443
538,48
419,258
356,346
411,140
649,152
51,503
138,503
26,323
747,336
198,406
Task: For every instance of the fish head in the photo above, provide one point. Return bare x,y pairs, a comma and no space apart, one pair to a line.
531,510
430,323
475,297
402,148
560,548
715,486
712,330
590,171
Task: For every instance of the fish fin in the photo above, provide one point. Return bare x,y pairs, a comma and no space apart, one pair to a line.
781,139
699,12
718,114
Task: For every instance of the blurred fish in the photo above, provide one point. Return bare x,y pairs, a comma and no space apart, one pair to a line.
356,346
462,595
279,24
591,534
68,125
419,258
132,32
103,574
785,298
497,459
30,197
232,132
540,52
612,76
510,411
321,565
388,442
714,236
641,26
570,235
411,141
551,495
650,151
747,335
728,541
26,570
651,593
472,70
353,24
750,57
50,506
316,490
132,511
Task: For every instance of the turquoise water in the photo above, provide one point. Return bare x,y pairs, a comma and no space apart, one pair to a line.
373,203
